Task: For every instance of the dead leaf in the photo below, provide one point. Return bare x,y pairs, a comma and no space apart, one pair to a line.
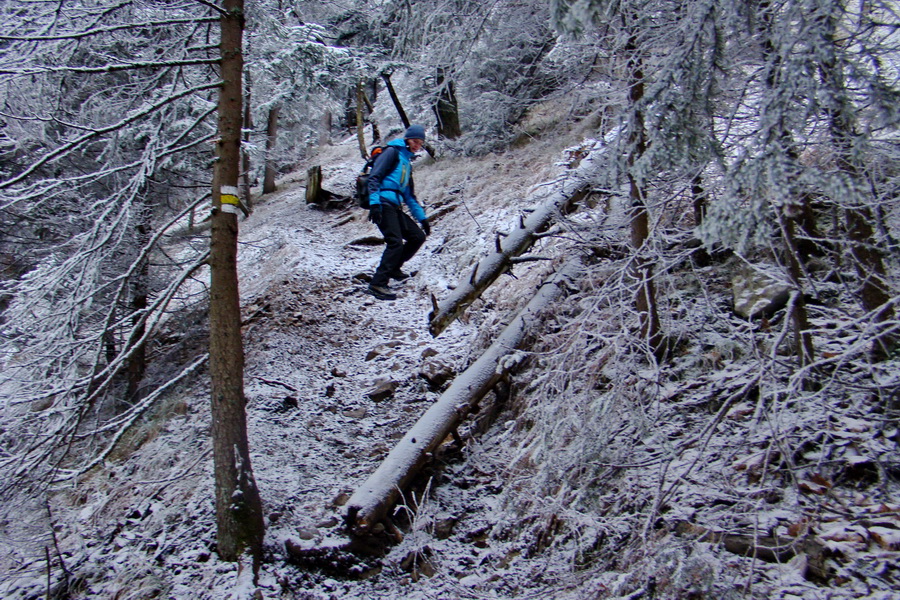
889,539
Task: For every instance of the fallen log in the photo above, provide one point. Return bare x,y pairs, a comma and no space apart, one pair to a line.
507,248
372,501
575,187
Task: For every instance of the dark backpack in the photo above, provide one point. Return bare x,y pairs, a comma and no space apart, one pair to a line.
362,180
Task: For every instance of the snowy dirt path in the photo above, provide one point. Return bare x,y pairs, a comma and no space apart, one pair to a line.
319,352
317,348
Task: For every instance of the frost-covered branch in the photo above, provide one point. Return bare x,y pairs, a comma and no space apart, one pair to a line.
82,140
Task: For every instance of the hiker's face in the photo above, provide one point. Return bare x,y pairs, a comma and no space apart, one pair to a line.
414,144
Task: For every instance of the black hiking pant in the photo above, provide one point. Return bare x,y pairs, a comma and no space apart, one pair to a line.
403,239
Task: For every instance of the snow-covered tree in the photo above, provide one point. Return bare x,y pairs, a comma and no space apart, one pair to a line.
814,128
108,105
297,74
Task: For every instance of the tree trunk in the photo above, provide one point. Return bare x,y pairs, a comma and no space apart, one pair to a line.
699,196
498,262
874,291
350,110
803,340
446,109
393,94
372,501
245,156
313,184
271,138
642,269
109,345
376,133
360,120
403,118
325,129
239,517
700,256
137,362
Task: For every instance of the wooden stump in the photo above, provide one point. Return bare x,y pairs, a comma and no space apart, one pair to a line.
314,184
322,198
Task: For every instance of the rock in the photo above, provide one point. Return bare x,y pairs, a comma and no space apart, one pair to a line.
383,390
341,499
436,372
329,390
417,562
369,240
443,525
378,450
758,295
887,538
328,523
355,413
428,353
307,533
385,349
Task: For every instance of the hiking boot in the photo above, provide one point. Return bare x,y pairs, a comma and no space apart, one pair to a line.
398,275
381,292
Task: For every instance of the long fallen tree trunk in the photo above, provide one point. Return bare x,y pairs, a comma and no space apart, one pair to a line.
575,186
371,502
489,268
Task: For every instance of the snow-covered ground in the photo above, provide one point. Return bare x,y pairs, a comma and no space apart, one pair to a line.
316,346
619,490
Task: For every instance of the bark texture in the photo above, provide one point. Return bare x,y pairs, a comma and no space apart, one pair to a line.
447,108
395,99
360,119
642,267
271,138
239,518
874,292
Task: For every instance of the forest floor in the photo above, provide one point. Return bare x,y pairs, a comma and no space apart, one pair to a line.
320,353
318,349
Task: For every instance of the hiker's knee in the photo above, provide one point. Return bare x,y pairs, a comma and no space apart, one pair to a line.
417,237
393,240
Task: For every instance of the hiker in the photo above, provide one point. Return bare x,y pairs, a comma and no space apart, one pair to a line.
390,181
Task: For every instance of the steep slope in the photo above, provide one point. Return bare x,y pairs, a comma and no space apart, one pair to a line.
333,377
603,474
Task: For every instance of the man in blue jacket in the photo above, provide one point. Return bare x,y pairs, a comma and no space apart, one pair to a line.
390,182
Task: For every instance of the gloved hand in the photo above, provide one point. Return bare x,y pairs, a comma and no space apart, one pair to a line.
375,213
426,227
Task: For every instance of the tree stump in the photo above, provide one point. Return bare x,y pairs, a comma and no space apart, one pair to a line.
321,198
314,184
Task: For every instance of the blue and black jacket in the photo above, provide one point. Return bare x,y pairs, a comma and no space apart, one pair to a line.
390,179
